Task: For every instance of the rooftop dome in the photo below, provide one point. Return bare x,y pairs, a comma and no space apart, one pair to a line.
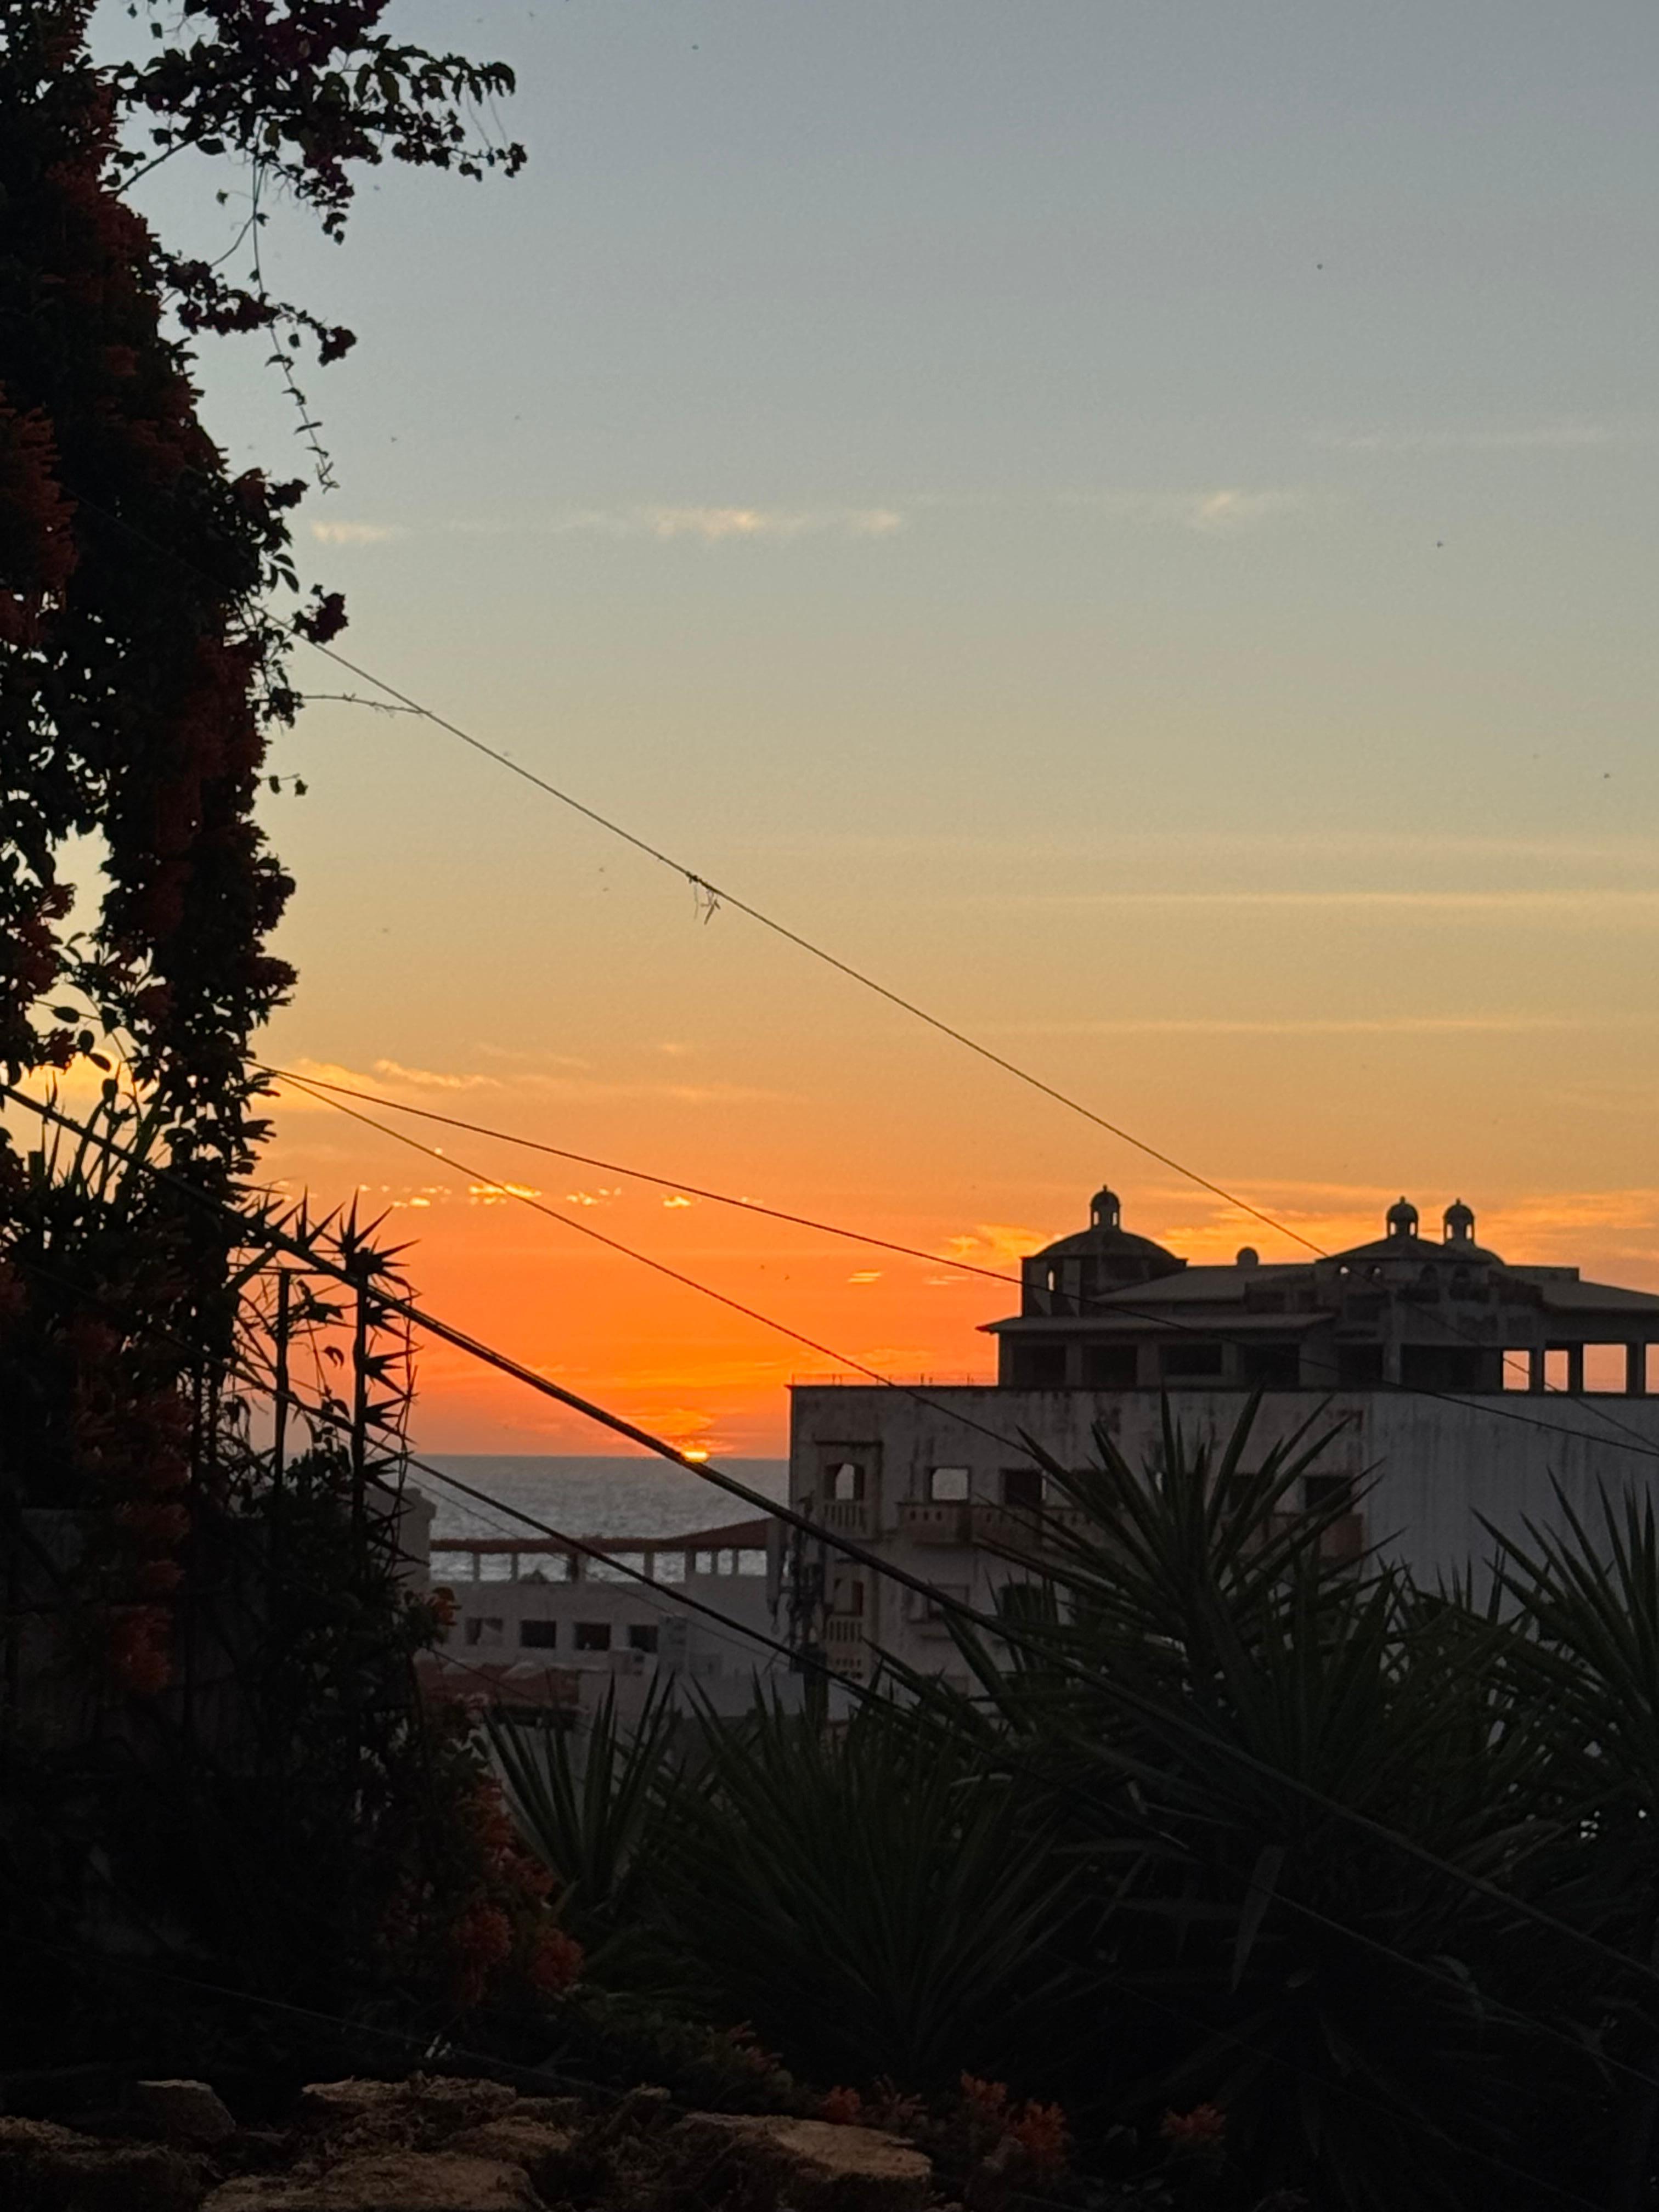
1115,1255
1402,1242
1402,1219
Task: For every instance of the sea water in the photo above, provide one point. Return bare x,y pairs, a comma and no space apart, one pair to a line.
599,1497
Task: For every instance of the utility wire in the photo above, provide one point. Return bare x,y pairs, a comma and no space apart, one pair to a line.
1004,1630
868,1695
720,896
861,1237
661,1267
871,1699
1478,1403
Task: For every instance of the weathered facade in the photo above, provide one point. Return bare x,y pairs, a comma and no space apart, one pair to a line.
539,1625
1464,1390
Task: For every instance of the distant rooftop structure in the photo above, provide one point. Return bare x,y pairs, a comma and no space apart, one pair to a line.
1107,1309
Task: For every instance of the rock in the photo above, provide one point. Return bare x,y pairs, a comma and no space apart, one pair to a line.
390,2181
459,2100
416,2114
539,2146
562,2111
46,2168
816,2166
184,2111
333,2103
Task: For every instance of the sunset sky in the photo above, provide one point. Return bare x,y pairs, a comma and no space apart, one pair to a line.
1136,524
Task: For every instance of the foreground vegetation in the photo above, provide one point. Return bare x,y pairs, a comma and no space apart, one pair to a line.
1274,1876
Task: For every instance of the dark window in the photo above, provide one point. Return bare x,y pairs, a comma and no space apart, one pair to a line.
1039,1366
1022,1486
539,1635
592,1636
1109,1366
1358,1366
1325,1493
1440,1367
642,1636
1273,1366
1197,1360
847,1480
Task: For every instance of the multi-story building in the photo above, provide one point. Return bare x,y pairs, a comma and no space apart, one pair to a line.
1465,1391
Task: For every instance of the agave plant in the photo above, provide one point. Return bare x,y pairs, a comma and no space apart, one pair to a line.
594,1805
877,1901
1586,1669
1314,1764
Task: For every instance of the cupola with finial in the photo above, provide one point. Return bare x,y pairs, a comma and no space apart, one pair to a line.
1105,1209
1459,1223
1402,1219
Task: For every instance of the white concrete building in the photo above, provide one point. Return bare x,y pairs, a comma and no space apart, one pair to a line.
539,1625
1467,1389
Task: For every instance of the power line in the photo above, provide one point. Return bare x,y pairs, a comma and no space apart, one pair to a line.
1477,1403
718,896
870,1698
661,1267
1004,1630
644,1174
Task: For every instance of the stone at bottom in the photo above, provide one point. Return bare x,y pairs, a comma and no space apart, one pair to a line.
396,2181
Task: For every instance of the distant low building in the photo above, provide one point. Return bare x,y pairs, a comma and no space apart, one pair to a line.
1467,1389
541,1626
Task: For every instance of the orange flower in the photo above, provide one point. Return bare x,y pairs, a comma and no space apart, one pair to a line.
1202,2129
555,1962
1041,2132
988,2099
844,2106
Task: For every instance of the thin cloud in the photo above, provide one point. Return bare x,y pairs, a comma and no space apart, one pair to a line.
1627,906
1396,1025
357,534
707,526
391,1076
1232,509
997,1242
1535,437
1218,513
716,526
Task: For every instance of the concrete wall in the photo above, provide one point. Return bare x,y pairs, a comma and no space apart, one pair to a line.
1428,1469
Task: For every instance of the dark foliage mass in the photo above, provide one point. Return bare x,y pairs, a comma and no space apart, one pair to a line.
1279,1876
144,666
210,1743
148,602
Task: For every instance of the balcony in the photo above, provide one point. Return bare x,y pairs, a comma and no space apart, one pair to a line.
1012,1528
843,1630
847,1517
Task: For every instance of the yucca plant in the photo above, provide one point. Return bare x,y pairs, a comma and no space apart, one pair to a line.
594,1805
878,1901
1193,1675
1586,1669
